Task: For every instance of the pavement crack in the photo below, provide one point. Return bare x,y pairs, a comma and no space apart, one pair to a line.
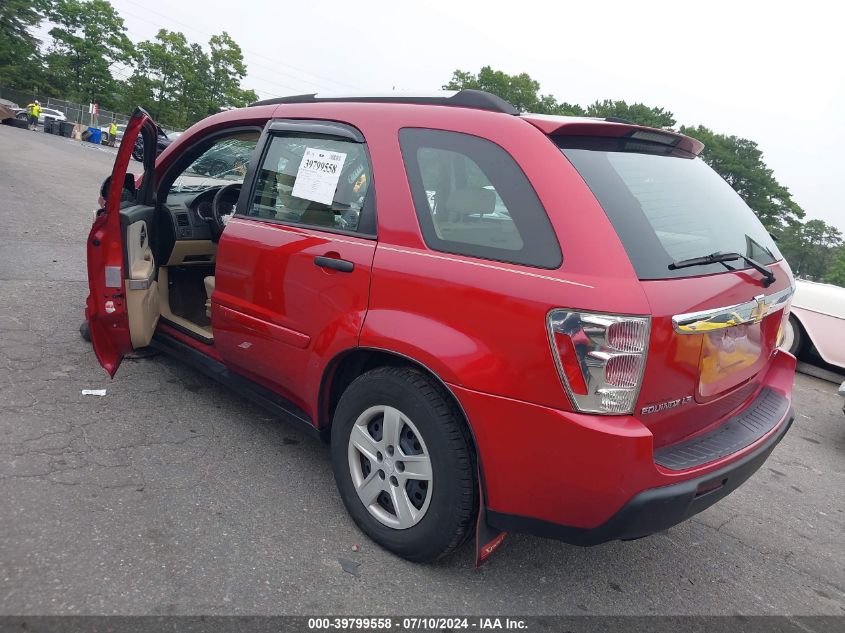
798,570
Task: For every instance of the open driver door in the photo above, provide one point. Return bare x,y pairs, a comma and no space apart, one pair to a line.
122,308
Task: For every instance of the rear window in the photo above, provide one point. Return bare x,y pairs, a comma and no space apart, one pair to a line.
666,207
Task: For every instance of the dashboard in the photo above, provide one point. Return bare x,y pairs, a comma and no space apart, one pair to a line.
191,213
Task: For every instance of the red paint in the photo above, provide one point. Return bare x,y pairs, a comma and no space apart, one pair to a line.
105,308
583,468
283,318
478,325
574,126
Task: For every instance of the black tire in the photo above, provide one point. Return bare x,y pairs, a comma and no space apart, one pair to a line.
797,345
84,332
138,152
19,123
452,509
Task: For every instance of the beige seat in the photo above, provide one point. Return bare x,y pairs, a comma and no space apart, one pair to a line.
463,220
209,290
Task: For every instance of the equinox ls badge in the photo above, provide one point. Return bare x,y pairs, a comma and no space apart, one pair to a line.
669,404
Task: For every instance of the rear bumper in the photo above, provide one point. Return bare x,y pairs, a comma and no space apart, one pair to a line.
588,479
656,509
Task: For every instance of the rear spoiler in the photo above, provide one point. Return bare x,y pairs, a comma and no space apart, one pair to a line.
577,126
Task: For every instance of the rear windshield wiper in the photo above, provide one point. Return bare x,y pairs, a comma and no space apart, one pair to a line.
718,258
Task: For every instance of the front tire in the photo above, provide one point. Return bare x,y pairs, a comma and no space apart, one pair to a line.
404,464
138,152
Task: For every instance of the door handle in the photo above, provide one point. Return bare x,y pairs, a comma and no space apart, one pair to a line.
341,265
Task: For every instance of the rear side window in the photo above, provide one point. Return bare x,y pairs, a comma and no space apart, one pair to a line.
667,207
473,199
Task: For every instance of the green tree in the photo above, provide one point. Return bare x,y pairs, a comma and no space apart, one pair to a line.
196,86
520,90
740,162
836,271
163,68
180,83
810,247
226,70
638,113
88,36
20,62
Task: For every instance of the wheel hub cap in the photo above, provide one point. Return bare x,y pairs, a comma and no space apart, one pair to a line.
390,467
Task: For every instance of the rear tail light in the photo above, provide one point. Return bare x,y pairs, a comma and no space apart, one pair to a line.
600,358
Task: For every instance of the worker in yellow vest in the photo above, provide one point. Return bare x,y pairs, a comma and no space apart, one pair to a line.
112,132
34,110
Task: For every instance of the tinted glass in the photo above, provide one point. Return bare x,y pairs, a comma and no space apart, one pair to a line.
473,199
334,177
669,208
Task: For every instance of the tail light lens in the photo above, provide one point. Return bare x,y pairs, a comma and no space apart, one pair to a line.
600,358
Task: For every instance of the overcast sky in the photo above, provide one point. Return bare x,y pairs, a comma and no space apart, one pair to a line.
769,71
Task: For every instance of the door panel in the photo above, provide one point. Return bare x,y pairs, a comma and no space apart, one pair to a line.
293,266
277,316
142,298
107,306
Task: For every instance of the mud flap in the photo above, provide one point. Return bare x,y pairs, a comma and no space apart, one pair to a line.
487,538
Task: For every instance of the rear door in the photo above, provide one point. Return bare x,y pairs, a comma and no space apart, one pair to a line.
113,317
293,265
715,326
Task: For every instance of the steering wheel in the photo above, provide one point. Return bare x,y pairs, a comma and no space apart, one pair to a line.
221,216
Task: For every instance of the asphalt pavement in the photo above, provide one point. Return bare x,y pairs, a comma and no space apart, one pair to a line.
172,495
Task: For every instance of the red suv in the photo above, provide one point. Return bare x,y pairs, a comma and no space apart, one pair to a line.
560,326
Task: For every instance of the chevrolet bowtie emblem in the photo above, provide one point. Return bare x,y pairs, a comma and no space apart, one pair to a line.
761,310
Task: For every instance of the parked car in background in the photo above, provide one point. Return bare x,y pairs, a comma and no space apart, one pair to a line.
817,321
8,109
500,321
56,114
51,112
226,157
163,139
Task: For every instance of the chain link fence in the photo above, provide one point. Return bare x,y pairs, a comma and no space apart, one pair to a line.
74,112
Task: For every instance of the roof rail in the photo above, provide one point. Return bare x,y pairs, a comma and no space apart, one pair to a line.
477,99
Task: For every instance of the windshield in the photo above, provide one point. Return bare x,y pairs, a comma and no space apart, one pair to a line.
223,163
667,208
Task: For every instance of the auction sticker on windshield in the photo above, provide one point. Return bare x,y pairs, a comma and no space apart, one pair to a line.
318,175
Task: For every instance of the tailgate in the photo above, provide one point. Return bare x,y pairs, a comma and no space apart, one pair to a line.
711,339
716,283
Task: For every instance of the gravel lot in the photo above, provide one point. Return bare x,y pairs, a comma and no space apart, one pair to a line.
171,495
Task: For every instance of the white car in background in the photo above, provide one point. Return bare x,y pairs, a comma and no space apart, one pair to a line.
818,319
56,114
